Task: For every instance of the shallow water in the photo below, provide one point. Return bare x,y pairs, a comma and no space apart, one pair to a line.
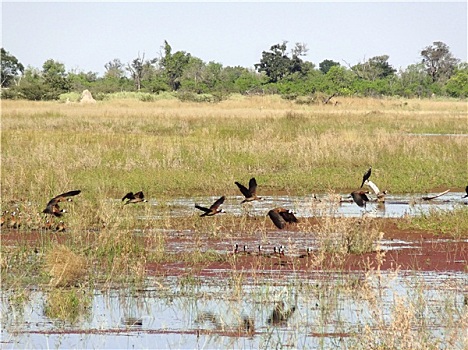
396,205
331,310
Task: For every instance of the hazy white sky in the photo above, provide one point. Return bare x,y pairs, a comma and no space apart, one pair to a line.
87,35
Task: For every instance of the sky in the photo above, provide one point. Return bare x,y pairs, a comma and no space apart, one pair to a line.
84,36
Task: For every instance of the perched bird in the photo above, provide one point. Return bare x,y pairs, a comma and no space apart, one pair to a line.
466,190
366,176
53,207
214,209
250,193
360,198
134,197
281,217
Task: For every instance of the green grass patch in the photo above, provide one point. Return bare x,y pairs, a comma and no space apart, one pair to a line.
453,223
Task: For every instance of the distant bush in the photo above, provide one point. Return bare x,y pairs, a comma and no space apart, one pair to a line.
70,97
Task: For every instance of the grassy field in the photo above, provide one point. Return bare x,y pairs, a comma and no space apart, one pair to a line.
169,148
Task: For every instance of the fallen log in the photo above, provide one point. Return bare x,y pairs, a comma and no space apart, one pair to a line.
428,198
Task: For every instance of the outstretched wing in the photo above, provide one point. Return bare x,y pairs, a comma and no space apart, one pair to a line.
243,189
252,186
216,204
288,216
277,219
129,195
360,198
366,176
140,195
373,186
206,210
64,196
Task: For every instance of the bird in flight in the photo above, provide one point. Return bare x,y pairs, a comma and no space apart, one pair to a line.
53,205
250,193
366,176
134,197
281,217
214,209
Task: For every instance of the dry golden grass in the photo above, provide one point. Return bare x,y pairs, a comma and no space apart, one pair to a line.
65,267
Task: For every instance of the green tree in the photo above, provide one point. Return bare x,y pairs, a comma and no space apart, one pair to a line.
439,61
55,78
413,81
32,85
276,64
139,70
326,65
174,65
80,81
375,68
339,79
114,69
457,85
11,68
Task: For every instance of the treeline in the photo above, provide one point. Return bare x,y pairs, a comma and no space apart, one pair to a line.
279,72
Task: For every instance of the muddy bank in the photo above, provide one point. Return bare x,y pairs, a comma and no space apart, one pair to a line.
404,249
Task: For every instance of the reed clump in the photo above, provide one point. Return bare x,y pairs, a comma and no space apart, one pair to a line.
68,304
65,267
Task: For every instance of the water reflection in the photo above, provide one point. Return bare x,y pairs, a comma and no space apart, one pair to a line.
319,309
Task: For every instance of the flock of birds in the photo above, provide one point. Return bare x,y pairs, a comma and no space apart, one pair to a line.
280,217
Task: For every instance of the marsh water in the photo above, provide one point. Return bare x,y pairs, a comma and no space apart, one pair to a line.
281,309
396,205
328,310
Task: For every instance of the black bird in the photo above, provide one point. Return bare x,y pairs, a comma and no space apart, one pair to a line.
366,176
134,197
214,209
466,190
360,198
53,207
250,193
281,217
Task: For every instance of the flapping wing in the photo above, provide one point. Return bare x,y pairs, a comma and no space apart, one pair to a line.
140,195
243,189
366,176
129,195
373,186
252,186
206,210
288,216
216,204
64,196
277,219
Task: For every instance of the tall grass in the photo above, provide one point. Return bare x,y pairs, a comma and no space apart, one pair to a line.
171,148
